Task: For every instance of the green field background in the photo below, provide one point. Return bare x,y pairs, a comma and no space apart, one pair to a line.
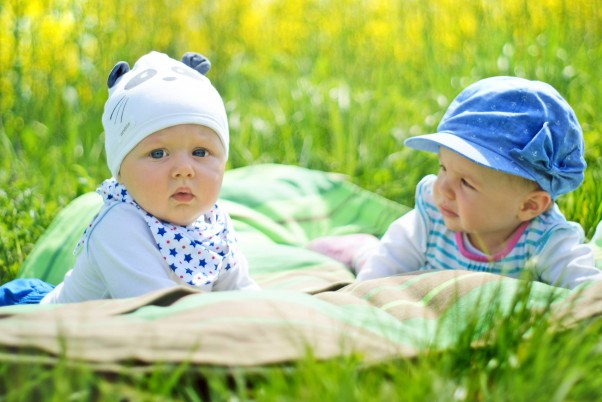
330,85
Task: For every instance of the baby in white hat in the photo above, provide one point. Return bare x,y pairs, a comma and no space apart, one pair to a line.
166,138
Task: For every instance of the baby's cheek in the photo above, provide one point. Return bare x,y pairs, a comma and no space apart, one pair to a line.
436,192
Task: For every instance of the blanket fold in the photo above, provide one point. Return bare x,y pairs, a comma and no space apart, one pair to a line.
309,304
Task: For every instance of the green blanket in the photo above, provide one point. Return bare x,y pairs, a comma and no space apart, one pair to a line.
309,303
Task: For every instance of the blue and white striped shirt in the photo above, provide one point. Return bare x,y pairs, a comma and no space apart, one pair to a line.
549,246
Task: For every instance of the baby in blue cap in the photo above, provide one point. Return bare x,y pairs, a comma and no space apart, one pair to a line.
507,147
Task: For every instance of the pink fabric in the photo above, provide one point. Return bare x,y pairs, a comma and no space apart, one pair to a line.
496,257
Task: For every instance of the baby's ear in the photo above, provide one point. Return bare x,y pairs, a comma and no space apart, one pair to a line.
536,203
118,70
197,61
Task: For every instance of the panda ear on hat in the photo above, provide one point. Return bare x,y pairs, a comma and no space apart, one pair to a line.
118,70
197,62
193,60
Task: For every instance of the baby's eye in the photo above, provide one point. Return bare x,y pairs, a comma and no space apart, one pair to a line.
157,153
467,184
200,152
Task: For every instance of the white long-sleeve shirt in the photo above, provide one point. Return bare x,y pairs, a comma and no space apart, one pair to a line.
549,244
122,260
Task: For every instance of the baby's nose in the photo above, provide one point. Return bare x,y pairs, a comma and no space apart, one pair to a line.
183,167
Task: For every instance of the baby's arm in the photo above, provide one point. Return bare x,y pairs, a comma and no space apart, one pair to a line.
402,249
236,278
566,261
127,256
120,260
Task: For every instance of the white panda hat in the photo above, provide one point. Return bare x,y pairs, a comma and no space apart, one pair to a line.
159,92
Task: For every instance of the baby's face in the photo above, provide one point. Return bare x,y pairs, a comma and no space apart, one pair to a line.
482,202
176,173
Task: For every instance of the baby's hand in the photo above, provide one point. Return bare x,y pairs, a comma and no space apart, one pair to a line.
347,249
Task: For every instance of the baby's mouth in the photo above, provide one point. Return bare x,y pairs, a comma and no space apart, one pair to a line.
447,212
183,195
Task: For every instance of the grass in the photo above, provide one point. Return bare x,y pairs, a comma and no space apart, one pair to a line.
524,360
325,84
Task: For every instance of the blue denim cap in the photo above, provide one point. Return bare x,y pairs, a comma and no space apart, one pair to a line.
516,126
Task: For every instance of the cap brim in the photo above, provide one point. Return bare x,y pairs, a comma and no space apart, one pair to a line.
476,153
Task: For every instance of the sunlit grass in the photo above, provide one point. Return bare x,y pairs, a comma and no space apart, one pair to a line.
325,84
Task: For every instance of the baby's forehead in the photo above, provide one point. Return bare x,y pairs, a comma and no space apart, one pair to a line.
465,166
176,132
484,175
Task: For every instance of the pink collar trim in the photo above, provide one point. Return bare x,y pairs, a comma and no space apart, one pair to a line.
490,258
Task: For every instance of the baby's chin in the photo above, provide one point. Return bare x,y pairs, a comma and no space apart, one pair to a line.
187,220
182,214
451,225
178,220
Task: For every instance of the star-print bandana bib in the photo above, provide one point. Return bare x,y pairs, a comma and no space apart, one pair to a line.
196,253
